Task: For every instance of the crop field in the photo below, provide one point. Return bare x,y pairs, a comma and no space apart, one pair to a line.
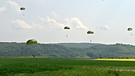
65,67
116,59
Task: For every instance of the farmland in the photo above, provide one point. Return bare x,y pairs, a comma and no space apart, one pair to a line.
64,67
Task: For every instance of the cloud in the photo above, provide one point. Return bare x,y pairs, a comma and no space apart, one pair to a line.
51,22
2,9
105,27
54,22
42,19
77,23
22,24
37,26
73,22
15,6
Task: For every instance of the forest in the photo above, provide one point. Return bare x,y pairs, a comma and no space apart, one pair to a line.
68,50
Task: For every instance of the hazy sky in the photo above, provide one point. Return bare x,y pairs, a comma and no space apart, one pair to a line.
44,21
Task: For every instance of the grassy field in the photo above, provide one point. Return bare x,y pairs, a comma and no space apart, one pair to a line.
65,67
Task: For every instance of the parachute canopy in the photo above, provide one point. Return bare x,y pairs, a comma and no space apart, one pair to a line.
129,29
90,32
31,41
22,8
66,27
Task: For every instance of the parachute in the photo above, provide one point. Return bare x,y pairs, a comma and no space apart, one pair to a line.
66,27
90,32
129,29
22,8
31,41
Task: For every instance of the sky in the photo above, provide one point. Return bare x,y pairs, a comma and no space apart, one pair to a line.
44,20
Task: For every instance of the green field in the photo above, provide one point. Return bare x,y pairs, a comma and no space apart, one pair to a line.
65,67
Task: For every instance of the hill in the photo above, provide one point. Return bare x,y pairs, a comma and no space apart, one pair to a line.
79,45
67,50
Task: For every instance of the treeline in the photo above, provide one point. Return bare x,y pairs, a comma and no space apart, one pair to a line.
68,50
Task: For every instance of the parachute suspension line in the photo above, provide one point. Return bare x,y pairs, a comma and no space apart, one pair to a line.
90,33
130,29
66,28
22,9
131,35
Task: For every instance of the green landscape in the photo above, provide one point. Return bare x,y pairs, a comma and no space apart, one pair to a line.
64,67
66,59
67,37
